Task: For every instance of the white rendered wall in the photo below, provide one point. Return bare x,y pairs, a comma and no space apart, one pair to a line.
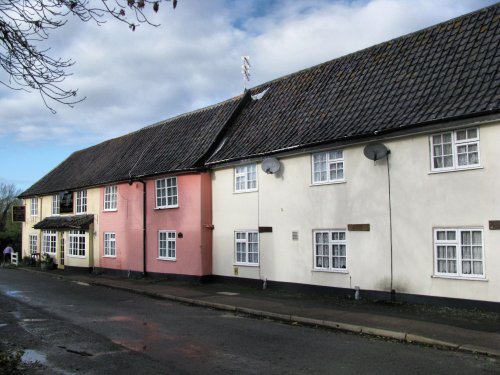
420,201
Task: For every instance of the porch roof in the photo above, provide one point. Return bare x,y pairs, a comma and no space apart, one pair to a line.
66,222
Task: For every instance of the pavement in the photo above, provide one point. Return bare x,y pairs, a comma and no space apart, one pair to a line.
472,331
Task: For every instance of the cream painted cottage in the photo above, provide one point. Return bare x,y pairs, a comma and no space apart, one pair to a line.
300,199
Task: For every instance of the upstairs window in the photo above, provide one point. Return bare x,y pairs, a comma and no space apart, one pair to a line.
328,167
34,207
49,241
459,252
330,250
110,195
245,178
81,201
166,193
56,204
455,150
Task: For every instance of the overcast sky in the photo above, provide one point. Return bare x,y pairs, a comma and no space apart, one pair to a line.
134,79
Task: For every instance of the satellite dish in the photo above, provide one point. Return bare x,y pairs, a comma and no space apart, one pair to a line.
376,151
270,165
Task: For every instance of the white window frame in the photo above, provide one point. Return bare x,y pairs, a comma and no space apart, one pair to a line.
464,253
167,245
167,193
34,207
81,202
246,248
329,250
331,161
77,244
56,204
33,243
245,178
49,242
109,245
111,198
455,144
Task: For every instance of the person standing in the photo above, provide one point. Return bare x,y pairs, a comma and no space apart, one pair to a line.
7,253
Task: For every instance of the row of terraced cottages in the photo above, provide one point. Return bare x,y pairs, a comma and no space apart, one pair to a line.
284,184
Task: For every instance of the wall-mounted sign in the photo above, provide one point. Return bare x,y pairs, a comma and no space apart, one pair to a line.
265,229
18,213
358,227
66,205
494,224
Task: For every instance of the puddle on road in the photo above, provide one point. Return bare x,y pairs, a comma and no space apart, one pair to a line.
228,293
33,356
81,283
13,293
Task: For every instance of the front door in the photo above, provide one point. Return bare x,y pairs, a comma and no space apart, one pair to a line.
61,253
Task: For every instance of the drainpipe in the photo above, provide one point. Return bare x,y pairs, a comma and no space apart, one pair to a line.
144,270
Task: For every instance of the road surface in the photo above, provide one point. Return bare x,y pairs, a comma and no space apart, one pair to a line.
80,328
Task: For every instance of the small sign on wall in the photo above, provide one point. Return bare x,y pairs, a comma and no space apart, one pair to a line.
18,213
235,271
358,227
494,224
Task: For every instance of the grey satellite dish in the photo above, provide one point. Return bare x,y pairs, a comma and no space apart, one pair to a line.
270,165
376,151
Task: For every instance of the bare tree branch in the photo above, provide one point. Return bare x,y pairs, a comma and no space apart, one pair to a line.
25,24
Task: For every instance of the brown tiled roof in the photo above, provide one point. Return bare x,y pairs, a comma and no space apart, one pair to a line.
177,144
441,73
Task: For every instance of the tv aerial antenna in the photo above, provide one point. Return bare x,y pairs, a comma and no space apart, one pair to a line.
245,70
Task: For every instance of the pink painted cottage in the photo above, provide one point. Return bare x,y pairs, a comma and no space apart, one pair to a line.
153,211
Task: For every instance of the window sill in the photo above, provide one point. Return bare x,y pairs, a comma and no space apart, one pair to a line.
109,256
245,191
114,210
77,256
167,259
328,183
345,272
459,278
439,171
165,208
246,265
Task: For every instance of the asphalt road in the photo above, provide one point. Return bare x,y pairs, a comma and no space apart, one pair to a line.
95,330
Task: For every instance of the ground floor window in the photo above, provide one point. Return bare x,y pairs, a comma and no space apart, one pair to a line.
49,241
33,243
109,244
76,243
246,247
330,250
167,245
459,252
